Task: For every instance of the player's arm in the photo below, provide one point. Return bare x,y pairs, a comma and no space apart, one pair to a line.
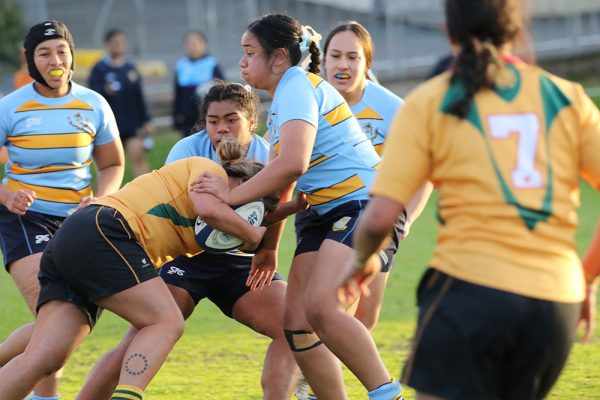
591,269
296,141
223,218
373,230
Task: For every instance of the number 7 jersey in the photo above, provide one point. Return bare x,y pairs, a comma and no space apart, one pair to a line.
507,176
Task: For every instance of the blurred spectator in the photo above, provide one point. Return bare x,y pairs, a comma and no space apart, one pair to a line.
117,79
194,75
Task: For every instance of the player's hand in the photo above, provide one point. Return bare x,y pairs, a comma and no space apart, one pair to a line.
211,183
355,278
301,203
264,265
84,202
587,317
19,202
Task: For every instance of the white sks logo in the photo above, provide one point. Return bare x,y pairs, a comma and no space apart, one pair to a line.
50,32
33,122
42,238
175,271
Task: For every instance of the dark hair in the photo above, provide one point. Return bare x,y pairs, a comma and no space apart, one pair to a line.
39,33
224,91
363,35
195,33
480,27
278,31
112,33
232,153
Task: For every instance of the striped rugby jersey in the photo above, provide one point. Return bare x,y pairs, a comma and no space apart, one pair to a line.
50,143
375,112
343,160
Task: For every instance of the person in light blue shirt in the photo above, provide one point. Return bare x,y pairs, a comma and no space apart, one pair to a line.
348,52
318,144
228,111
192,74
53,129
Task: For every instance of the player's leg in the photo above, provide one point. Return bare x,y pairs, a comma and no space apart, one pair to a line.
263,312
104,376
369,307
151,309
25,275
319,366
134,149
343,334
59,329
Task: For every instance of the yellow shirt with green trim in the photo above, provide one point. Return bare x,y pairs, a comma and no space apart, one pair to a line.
507,175
159,210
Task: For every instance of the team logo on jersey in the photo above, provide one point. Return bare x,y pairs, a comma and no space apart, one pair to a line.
83,125
175,271
32,122
145,263
42,238
341,225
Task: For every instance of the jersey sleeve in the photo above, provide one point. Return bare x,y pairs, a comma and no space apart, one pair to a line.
406,161
182,149
4,126
107,130
590,140
293,106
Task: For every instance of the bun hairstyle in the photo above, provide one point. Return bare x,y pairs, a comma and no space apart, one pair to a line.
278,31
480,27
225,91
363,35
232,153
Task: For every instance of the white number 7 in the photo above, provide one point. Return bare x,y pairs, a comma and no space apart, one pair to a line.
527,126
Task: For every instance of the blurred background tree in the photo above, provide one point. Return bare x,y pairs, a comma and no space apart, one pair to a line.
11,26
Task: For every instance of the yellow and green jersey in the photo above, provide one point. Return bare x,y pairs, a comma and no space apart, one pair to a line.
507,176
159,210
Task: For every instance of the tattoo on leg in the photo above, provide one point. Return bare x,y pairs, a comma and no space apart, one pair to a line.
136,364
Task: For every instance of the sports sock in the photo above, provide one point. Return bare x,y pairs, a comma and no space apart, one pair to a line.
388,391
127,392
38,397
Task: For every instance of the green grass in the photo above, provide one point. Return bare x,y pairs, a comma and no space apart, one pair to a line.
220,359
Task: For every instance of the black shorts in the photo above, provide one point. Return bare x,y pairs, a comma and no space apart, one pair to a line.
386,254
475,342
24,235
93,255
220,277
337,224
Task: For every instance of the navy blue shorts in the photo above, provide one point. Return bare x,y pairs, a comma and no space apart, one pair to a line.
220,277
337,224
386,254
94,254
476,342
24,235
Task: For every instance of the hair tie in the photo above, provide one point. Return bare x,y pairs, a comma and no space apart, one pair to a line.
308,36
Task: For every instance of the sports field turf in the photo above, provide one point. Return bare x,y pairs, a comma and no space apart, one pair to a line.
220,359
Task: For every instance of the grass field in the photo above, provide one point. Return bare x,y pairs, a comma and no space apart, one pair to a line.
220,359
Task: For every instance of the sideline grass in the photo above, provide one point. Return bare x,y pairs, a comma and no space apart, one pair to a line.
220,359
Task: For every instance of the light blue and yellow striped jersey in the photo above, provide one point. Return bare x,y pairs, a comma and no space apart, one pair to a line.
50,143
343,160
199,145
375,112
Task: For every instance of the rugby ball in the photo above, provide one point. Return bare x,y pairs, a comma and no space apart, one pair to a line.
215,241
